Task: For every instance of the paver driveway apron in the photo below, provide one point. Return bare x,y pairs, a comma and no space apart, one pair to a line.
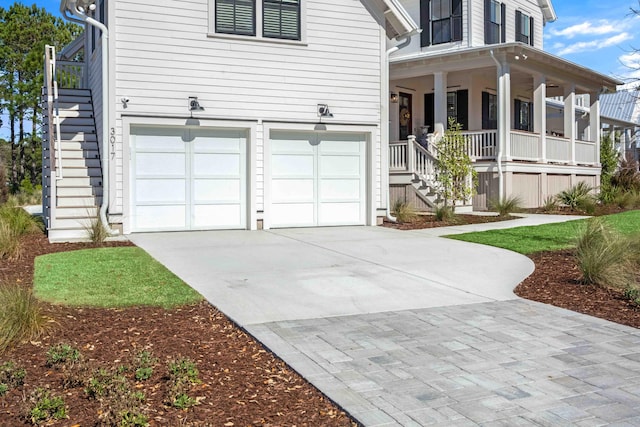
400,328
263,276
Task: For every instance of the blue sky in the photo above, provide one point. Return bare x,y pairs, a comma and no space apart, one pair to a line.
599,34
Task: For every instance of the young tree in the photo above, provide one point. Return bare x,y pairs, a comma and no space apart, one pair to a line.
454,167
609,159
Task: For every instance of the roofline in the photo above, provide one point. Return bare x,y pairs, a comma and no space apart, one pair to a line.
402,19
548,11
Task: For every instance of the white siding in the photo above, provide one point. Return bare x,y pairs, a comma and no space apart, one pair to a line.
164,55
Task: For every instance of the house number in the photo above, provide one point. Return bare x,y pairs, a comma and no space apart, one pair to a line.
112,140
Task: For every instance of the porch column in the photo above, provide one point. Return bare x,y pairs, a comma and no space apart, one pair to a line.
570,119
540,113
440,102
504,110
594,122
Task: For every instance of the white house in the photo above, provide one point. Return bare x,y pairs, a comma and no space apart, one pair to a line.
220,114
482,62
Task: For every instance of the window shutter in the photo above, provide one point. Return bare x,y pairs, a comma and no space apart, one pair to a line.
530,117
503,23
487,21
462,101
531,32
456,17
518,26
236,17
281,19
425,22
485,111
429,106
517,104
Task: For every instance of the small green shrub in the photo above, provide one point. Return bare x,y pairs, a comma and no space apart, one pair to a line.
550,204
603,256
183,374
183,401
21,316
4,388
627,176
46,407
403,211
20,221
143,363
632,293
587,205
96,230
444,213
575,195
11,376
10,245
121,404
506,206
61,354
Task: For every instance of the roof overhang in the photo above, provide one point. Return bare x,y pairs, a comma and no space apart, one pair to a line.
548,12
397,21
520,57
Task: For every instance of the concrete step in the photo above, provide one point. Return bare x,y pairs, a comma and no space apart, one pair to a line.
60,235
82,213
85,191
71,223
74,162
76,121
73,201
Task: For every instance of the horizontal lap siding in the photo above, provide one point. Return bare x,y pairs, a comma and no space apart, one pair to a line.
163,56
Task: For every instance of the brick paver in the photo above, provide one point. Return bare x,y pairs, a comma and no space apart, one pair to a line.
507,363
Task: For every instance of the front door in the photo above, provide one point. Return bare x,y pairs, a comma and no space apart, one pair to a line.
405,118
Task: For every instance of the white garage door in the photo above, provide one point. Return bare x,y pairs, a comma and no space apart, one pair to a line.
184,179
317,179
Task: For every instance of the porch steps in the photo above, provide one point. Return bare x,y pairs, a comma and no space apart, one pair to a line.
79,192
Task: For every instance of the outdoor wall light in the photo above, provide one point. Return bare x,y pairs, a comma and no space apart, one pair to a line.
194,105
393,98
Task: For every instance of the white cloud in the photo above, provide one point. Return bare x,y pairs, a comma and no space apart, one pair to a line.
629,72
595,44
587,29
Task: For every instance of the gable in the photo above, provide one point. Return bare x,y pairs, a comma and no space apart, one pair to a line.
393,16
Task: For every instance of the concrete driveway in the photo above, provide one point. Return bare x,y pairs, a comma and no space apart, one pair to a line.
265,276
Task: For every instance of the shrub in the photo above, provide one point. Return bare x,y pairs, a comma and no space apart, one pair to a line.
627,176
550,204
21,316
96,231
10,245
403,211
11,376
45,407
609,159
120,404
144,362
506,205
183,374
20,221
444,213
62,354
575,195
603,256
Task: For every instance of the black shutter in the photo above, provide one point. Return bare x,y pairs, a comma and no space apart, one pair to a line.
487,22
518,26
503,23
462,101
456,24
429,106
236,17
425,22
517,104
485,111
530,117
281,19
531,32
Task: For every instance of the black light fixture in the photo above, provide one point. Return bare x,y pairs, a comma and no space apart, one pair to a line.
393,98
194,105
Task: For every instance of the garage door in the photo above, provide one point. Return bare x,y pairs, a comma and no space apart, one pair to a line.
317,179
184,179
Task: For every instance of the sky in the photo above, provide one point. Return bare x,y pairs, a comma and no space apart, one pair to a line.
603,35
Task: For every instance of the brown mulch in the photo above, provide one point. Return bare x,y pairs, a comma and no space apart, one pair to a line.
430,221
242,383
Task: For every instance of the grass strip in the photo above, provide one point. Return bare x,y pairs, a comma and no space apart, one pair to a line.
109,277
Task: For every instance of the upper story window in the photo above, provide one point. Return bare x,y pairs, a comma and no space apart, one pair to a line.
277,19
524,28
441,21
494,22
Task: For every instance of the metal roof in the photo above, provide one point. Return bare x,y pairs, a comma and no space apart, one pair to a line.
623,106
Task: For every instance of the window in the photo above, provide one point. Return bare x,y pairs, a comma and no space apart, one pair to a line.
523,114
441,21
489,110
276,19
494,28
457,107
524,28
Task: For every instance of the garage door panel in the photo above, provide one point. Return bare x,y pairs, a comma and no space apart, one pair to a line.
339,214
216,216
159,142
161,191
217,164
292,142
160,217
155,164
329,146
292,190
288,165
293,214
340,189
218,190
339,166
223,140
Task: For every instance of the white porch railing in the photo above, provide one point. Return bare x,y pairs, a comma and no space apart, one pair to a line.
409,156
481,144
70,75
398,156
525,146
558,149
586,153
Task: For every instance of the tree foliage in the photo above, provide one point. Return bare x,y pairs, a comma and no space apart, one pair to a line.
24,31
609,159
454,167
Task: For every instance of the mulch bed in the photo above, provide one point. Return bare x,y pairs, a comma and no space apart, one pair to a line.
242,383
430,221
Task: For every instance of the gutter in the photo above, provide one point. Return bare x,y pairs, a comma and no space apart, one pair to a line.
499,151
405,40
79,15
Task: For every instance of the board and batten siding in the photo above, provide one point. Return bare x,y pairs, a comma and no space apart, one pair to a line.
163,55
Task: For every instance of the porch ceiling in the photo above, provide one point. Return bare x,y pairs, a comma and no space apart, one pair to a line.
525,62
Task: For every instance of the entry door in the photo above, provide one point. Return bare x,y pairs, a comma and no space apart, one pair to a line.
187,179
405,115
317,179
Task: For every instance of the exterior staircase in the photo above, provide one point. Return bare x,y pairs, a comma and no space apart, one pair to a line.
73,176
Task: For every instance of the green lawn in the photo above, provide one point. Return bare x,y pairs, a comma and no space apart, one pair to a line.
526,240
109,277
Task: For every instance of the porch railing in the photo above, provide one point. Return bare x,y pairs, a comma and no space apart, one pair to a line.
481,144
558,149
586,153
70,74
525,146
409,156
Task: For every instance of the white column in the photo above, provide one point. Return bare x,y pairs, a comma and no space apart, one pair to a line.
540,113
594,122
504,110
440,102
570,119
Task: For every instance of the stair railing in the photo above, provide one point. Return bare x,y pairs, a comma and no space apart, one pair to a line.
55,144
421,161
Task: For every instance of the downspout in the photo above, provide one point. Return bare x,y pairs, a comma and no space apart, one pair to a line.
405,40
105,112
499,151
